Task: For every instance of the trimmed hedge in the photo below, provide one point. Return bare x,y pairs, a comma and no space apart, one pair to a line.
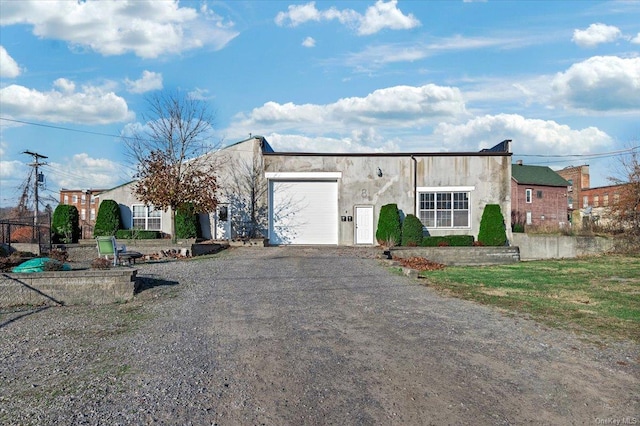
128,234
389,227
411,231
65,224
492,228
108,220
187,223
448,240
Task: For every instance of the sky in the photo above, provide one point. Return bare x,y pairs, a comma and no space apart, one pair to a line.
559,78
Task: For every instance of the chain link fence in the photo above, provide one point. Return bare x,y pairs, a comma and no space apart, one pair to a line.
22,230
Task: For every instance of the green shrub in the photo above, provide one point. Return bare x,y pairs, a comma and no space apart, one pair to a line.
411,231
517,227
389,229
492,229
448,240
108,220
187,223
65,224
137,234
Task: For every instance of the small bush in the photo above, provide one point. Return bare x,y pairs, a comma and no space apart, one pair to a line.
389,230
59,254
443,243
129,234
108,220
101,263
65,224
492,229
517,227
411,231
187,223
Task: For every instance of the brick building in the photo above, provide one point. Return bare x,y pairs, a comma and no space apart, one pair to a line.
86,201
578,178
538,196
600,199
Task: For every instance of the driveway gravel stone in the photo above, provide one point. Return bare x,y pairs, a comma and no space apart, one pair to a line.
303,336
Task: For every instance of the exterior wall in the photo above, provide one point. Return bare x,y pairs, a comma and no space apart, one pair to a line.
579,177
461,256
601,199
550,209
533,247
360,185
86,224
125,197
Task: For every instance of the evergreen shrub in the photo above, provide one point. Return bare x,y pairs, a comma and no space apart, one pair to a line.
411,231
389,229
138,234
492,228
65,224
108,220
187,223
448,240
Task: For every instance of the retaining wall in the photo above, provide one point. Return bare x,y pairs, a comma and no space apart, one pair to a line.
560,246
461,255
80,287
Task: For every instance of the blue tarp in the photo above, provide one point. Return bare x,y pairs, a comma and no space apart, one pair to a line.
36,265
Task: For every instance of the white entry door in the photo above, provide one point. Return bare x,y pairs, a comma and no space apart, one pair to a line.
364,224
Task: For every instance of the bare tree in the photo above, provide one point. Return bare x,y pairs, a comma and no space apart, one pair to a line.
169,151
625,209
246,193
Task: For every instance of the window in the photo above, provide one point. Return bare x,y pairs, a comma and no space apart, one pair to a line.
83,199
528,195
93,214
83,214
146,217
570,188
585,201
74,199
605,200
444,209
570,199
93,200
616,198
596,201
66,199
538,194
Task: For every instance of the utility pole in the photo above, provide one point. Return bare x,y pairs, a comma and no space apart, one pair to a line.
36,163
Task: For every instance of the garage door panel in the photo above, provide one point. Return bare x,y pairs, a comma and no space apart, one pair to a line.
304,212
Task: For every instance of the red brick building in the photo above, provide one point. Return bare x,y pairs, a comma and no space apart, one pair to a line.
578,178
538,196
86,201
600,199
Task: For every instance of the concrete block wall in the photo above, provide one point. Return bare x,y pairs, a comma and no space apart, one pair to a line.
81,287
559,246
461,256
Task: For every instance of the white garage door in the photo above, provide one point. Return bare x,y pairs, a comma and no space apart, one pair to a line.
303,212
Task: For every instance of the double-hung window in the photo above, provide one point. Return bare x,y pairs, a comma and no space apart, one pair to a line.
146,217
444,208
528,195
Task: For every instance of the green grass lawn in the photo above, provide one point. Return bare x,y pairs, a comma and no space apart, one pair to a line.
596,295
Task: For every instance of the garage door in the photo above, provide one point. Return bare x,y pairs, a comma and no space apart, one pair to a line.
303,212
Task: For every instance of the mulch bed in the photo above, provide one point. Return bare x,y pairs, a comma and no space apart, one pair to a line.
419,263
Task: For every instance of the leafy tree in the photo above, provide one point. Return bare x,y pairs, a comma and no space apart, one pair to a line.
187,223
492,228
412,231
171,167
65,224
389,230
108,220
625,209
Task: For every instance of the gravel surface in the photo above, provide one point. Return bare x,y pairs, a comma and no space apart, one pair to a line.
303,336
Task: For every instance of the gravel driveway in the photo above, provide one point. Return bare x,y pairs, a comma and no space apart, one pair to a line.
303,336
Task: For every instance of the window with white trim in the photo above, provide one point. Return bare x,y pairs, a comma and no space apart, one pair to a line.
528,195
93,214
66,199
74,199
146,217
444,209
83,214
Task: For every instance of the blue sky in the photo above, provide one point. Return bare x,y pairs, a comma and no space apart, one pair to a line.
559,78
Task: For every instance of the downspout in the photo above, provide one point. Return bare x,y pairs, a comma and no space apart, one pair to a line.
415,185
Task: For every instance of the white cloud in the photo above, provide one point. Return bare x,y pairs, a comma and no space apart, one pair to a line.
147,82
600,83
88,172
399,106
147,28
309,42
8,66
636,39
356,142
90,105
595,35
380,16
530,136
